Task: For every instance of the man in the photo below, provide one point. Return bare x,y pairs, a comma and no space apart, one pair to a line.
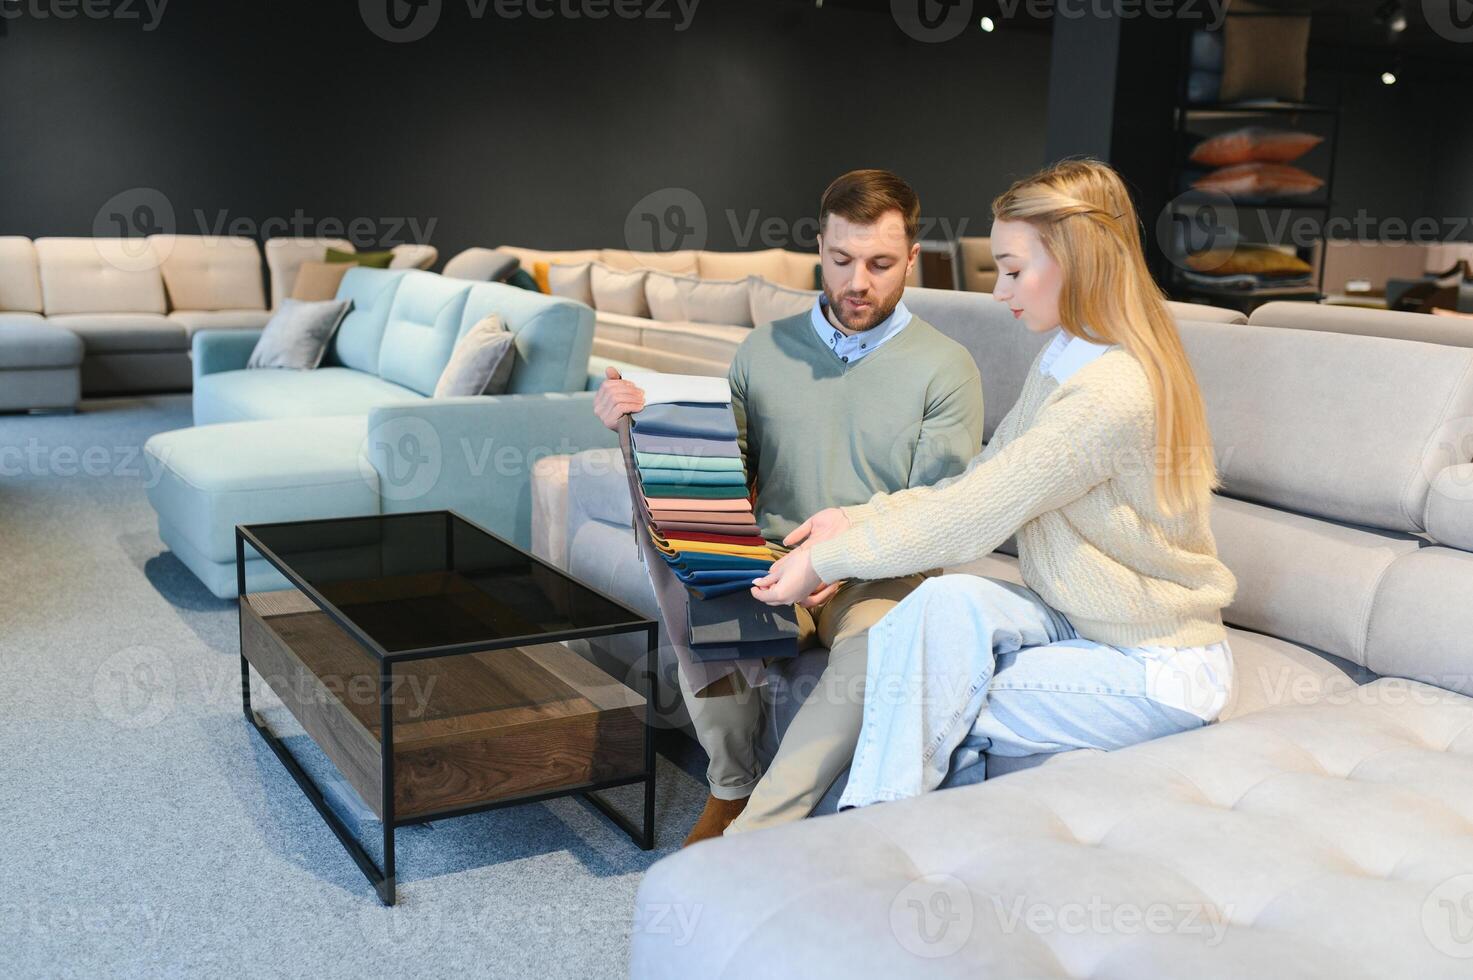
854,397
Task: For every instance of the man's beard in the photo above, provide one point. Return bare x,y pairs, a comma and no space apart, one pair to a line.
878,314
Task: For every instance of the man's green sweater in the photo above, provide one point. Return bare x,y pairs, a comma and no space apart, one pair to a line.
816,432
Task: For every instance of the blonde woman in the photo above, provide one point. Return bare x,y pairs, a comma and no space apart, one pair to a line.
1104,471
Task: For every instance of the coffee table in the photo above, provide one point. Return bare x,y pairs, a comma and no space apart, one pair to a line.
422,654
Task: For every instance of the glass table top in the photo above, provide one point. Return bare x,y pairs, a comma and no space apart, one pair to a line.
411,583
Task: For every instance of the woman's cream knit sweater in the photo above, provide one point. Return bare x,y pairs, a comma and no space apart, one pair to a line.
1071,471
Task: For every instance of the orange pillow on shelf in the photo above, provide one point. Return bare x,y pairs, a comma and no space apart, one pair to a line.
539,272
1251,260
1254,144
1259,180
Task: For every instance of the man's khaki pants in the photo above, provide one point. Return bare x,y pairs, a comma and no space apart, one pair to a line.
819,743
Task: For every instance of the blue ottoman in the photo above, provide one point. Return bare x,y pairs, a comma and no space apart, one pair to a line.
39,364
203,481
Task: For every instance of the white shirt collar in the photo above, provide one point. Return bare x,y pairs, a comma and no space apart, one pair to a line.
1066,355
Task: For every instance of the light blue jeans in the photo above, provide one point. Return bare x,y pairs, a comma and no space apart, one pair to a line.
966,665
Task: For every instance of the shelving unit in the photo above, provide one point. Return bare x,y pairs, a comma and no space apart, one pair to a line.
1283,210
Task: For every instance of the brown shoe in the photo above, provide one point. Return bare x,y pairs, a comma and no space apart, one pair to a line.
715,818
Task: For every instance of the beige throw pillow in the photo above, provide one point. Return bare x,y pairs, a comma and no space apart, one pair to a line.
317,281
716,301
571,281
771,302
619,292
662,293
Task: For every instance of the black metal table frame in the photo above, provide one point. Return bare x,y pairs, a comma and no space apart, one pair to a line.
384,879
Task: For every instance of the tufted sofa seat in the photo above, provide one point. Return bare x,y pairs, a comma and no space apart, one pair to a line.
1332,839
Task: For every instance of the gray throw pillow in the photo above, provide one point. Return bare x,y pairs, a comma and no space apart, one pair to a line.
771,302
481,362
296,336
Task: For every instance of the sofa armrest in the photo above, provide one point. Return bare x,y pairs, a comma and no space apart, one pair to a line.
474,455
214,351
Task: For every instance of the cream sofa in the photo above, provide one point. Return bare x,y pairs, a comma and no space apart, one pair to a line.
1324,828
782,266
135,302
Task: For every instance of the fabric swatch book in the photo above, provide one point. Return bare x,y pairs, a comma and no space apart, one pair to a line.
693,517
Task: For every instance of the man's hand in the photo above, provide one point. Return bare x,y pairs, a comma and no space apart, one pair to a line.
827,523
791,579
616,398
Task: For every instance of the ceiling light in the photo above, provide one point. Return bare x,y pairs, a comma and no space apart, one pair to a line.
1388,78
988,25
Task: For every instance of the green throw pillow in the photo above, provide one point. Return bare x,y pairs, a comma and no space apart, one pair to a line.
522,278
372,260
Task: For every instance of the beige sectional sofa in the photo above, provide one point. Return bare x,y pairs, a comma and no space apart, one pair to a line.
1320,829
664,335
136,304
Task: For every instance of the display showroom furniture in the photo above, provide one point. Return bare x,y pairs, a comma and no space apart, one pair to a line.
776,282
38,365
1322,828
421,655
284,256
361,434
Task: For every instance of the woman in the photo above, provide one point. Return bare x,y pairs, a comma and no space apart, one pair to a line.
1103,469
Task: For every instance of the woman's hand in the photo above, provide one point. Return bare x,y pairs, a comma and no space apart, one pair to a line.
791,579
827,523
616,398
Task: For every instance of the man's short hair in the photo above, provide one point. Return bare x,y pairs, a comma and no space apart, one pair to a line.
863,196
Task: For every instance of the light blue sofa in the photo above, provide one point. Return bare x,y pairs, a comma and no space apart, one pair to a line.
361,434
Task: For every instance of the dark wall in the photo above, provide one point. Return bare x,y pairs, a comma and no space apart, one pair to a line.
491,130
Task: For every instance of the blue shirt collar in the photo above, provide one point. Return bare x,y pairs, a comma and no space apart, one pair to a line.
850,348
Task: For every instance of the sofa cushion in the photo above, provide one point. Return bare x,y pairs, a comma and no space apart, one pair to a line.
20,276
124,332
193,321
554,335
28,342
413,255
1307,580
284,255
208,273
682,262
574,282
663,297
618,291
771,302
297,335
424,322
482,265
1323,840
99,275
317,281
207,479
361,335
769,263
232,396
481,361
1286,433
1422,620
716,301
1369,323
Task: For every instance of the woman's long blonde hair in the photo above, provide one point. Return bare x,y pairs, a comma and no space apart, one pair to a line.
1085,217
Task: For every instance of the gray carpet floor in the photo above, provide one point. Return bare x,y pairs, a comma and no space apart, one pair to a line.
148,831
